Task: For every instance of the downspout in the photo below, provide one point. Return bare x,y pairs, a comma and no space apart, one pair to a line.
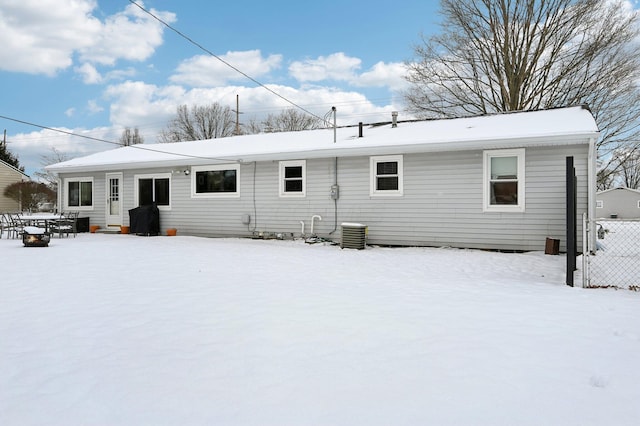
59,200
592,182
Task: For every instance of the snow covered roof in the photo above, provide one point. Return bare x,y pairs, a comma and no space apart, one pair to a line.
534,128
15,169
623,188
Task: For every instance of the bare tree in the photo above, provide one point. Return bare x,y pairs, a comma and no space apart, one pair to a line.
624,169
199,123
290,120
252,127
506,55
45,176
130,137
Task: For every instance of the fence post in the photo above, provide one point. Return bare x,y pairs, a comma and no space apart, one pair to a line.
586,229
571,220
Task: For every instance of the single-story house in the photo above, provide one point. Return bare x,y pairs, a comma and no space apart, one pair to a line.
9,175
491,182
622,203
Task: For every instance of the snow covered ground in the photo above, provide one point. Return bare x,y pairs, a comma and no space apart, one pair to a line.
127,330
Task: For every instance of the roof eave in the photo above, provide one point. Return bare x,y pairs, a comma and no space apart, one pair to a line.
340,150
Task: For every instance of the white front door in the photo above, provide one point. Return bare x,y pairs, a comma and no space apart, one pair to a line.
114,199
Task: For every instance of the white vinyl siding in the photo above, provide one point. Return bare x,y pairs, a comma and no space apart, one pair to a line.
442,203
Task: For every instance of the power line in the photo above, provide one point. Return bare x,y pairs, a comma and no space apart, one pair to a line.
135,146
58,130
204,49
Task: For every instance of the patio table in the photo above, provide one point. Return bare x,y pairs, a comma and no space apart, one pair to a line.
40,219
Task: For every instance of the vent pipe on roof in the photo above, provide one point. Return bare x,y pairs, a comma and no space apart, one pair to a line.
360,129
394,119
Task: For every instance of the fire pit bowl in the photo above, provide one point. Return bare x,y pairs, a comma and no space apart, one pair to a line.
35,237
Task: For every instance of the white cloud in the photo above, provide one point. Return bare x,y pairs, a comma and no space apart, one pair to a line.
339,67
49,30
208,71
150,107
383,75
32,147
93,107
89,74
70,112
42,36
132,35
336,66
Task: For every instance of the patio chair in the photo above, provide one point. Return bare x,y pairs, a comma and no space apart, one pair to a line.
14,225
4,224
65,225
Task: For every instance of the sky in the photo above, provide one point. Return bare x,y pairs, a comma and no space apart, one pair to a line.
97,67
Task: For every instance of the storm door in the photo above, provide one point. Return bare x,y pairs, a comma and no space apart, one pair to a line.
114,199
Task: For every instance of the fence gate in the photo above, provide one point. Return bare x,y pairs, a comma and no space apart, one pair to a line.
615,260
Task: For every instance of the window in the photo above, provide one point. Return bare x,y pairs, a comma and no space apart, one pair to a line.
386,175
293,178
504,180
600,204
215,181
151,189
79,193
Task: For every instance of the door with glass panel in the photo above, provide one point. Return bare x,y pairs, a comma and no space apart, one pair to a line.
114,199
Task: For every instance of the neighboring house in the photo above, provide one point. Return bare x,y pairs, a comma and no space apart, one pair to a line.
494,182
622,203
9,175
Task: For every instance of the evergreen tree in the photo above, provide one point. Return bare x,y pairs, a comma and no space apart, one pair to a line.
9,158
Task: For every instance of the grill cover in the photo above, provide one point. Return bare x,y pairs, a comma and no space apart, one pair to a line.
145,220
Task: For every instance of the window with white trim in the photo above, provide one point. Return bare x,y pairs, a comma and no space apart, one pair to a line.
504,180
79,193
386,175
219,181
293,178
600,204
153,189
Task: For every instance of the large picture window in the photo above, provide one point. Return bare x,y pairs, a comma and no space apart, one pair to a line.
386,175
150,189
504,180
293,176
215,181
79,193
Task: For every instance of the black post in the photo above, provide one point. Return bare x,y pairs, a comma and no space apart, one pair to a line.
571,220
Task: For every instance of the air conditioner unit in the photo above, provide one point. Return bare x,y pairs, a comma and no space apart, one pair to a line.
353,236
